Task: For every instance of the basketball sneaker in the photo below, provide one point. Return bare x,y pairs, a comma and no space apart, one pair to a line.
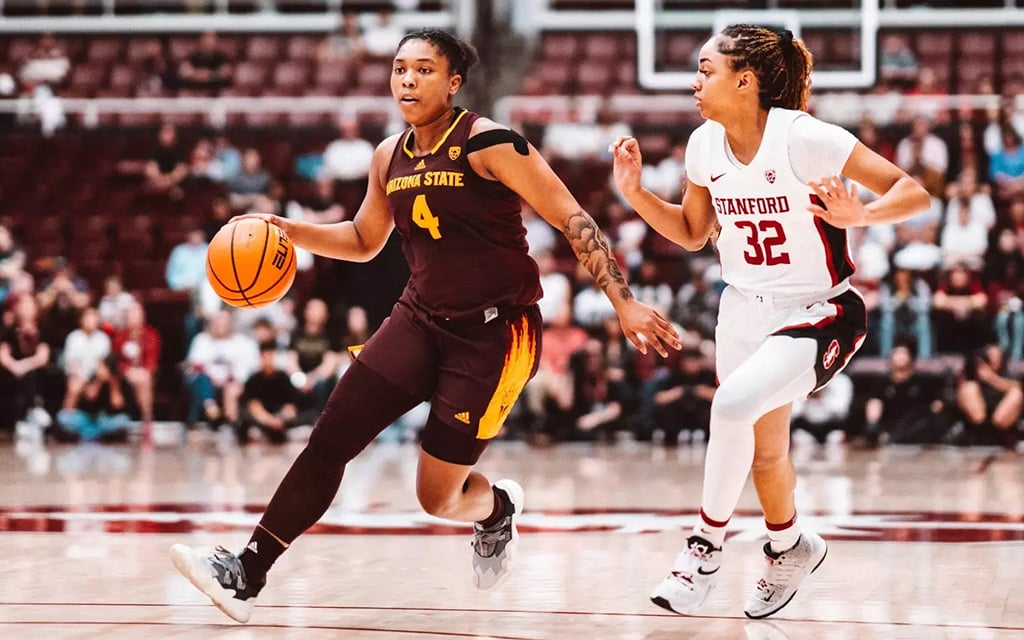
692,579
783,574
220,575
495,546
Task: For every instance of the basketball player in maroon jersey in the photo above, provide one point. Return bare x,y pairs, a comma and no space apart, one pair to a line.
464,335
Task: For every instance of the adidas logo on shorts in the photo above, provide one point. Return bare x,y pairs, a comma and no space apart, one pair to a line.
463,417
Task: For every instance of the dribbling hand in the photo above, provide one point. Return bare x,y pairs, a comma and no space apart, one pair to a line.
843,209
285,224
627,164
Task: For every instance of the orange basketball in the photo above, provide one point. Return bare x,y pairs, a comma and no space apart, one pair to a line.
250,263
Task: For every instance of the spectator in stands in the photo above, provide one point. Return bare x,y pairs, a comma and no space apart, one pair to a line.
248,190
207,67
220,214
905,301
1005,116
555,285
137,348
61,301
570,138
967,192
323,207
868,134
97,409
382,34
1004,278
696,304
824,413
549,395
270,400
907,405
348,157
201,163
84,349
959,306
650,288
219,362
357,328
682,402
898,63
12,262
1006,166
115,304
23,354
312,354
600,406
539,234
965,233
967,156
227,160
153,75
917,239
987,397
590,307
47,64
167,168
666,179
344,49
926,153
186,266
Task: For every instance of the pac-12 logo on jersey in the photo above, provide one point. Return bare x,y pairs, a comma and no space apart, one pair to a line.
831,354
454,153
769,175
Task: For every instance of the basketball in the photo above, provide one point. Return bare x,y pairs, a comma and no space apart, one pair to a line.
250,263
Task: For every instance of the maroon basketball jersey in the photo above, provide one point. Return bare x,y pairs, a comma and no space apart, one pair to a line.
463,235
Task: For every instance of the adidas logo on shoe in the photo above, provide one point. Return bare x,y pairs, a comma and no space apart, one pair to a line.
252,547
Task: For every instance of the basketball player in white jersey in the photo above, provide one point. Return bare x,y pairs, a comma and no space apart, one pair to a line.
768,174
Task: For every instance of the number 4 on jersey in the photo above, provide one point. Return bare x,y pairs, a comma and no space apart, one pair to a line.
424,218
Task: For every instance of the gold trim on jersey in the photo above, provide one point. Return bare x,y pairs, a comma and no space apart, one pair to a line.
519,360
408,136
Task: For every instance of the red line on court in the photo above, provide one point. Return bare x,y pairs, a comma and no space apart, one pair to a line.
619,614
314,627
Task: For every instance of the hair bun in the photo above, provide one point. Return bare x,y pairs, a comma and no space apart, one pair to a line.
786,37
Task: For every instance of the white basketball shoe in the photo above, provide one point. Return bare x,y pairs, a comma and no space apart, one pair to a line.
783,574
494,547
220,575
692,579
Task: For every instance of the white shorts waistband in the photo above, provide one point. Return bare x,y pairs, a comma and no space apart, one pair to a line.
781,299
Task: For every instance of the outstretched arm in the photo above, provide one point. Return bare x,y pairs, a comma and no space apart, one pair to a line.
356,240
689,225
524,171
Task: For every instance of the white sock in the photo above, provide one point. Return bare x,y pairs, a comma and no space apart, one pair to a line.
713,532
783,537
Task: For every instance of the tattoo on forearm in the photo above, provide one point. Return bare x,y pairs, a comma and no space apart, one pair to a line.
593,252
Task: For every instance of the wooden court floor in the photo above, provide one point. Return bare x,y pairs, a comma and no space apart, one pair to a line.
924,544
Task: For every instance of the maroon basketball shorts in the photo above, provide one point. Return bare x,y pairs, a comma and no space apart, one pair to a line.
471,371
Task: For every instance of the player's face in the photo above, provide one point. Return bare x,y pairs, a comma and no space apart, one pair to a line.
716,85
421,82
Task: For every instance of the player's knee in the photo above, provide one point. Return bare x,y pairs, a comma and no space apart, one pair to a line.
768,460
440,504
732,406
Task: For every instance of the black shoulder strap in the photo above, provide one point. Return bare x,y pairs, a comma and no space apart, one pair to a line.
498,136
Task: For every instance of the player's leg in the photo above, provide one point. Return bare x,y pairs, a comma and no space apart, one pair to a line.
774,477
780,371
483,371
366,400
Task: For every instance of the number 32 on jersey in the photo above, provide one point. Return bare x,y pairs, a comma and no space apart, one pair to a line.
765,240
424,218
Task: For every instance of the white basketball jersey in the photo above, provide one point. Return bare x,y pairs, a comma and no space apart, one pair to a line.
769,242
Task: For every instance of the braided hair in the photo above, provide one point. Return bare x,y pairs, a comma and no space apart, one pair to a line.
781,63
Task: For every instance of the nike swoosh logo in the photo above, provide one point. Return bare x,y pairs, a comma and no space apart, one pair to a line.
715,178
707,573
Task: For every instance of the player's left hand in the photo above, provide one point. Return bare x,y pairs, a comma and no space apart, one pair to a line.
843,209
643,325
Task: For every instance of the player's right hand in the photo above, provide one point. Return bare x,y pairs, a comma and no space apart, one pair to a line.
286,224
627,164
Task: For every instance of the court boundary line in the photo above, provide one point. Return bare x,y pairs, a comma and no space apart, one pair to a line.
622,614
